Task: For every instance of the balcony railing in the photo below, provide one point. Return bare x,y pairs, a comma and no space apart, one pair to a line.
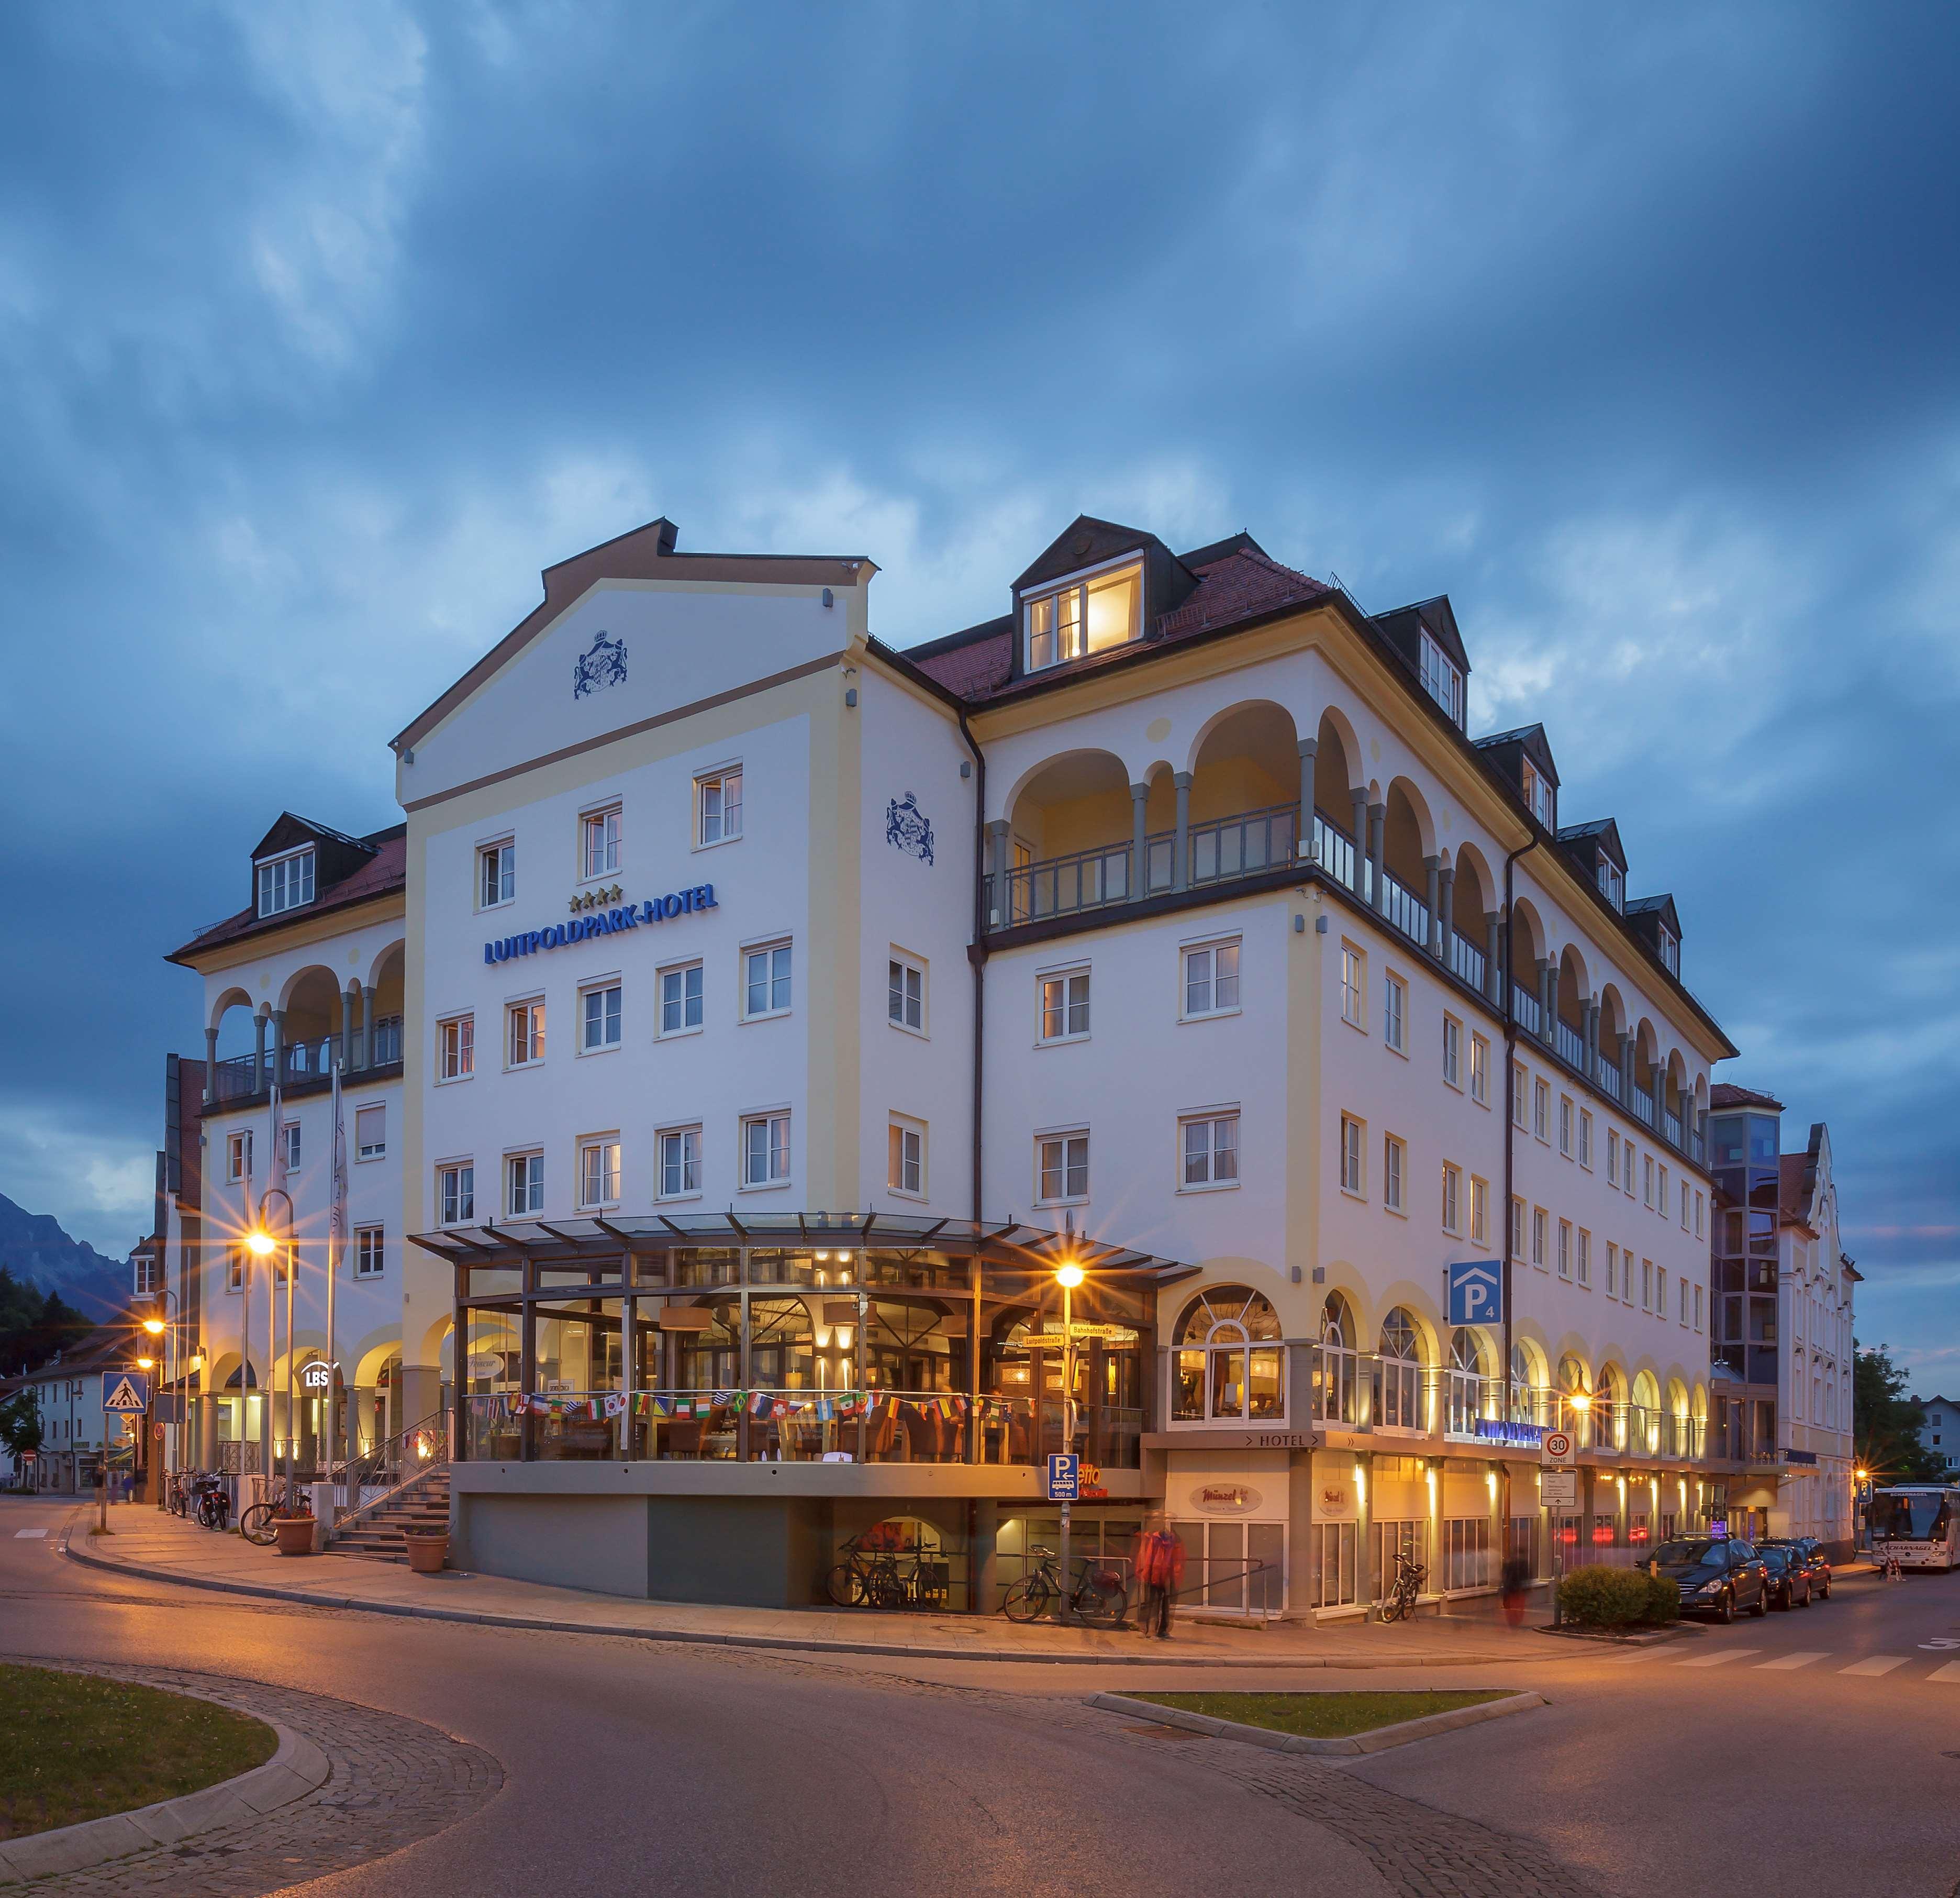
1333,848
1405,910
241,1076
1467,960
1242,846
1525,1008
1570,1044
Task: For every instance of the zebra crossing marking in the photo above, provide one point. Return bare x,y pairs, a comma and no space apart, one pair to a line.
1783,1663
1720,1655
1876,1664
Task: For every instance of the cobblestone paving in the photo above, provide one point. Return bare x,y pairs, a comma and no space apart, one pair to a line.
393,1780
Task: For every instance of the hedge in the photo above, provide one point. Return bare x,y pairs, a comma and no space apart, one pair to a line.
1602,1597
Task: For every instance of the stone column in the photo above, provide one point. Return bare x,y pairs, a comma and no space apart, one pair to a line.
1359,800
366,1046
258,1051
1445,912
1626,1071
1493,974
349,998
1309,748
997,908
1139,862
210,1079
1378,815
1548,998
1432,884
1590,1031
1180,869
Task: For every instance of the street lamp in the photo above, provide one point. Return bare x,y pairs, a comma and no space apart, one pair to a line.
1068,1275
261,1243
159,1326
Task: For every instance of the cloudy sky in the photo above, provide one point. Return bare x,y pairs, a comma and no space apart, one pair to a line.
322,329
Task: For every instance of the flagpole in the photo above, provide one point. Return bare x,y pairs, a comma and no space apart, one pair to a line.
273,1172
336,1224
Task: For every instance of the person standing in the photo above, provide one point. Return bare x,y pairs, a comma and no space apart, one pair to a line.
1158,1559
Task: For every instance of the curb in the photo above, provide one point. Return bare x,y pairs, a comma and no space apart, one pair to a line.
295,1770
785,1643
1378,1740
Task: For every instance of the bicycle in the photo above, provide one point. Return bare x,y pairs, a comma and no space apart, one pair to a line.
868,1579
1099,1596
1400,1605
213,1501
255,1524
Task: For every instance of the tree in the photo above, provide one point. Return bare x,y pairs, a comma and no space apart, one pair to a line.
20,1423
1885,1421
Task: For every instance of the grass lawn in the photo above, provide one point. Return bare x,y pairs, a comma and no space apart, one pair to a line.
74,1747
1326,1716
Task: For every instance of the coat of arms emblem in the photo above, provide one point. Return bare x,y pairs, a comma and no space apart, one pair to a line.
908,828
604,665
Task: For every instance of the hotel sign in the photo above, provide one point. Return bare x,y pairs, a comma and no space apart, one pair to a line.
1510,1435
603,922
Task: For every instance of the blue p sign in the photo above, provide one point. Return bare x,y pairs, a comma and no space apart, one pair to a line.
1477,1292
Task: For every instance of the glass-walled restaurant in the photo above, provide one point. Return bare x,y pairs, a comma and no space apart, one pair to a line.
797,1338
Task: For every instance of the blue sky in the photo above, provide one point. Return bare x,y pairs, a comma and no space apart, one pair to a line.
322,329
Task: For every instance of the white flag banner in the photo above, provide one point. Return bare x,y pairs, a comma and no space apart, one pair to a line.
337,1222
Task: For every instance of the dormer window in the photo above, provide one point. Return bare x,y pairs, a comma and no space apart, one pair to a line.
1670,951
1085,617
1539,797
1612,884
285,883
1442,681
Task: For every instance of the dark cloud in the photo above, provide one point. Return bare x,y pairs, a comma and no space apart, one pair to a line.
321,331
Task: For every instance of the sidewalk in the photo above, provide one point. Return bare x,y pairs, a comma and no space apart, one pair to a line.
162,1548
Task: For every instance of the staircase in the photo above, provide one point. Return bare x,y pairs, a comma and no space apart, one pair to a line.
420,1503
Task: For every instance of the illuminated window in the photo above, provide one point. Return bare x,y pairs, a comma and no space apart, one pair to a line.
1062,1164
1086,617
905,1158
1063,1006
525,1173
456,1187
599,1172
456,1048
765,1150
599,852
680,1163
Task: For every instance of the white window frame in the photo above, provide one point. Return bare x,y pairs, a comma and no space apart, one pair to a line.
911,973
721,780
1442,680
456,1048
534,1187
1214,947
1612,882
777,1148
1065,977
690,1174
456,1182
1541,1222
1063,1137
1660,1190
601,1144
1480,1068
1453,1052
1585,1138
1566,1110
1353,1156
533,1009
238,1156
1541,799
1479,1210
602,985
771,946
291,1148
1452,1199
1670,951
1395,1014
501,857
361,1148
1394,1174
661,976
1517,1232
1565,1249
290,865
1212,1121
1584,1261
1354,986
369,1244
1081,585
610,817
1542,1111
905,1157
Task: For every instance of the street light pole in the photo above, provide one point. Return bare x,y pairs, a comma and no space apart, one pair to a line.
261,1244
161,1328
1068,1276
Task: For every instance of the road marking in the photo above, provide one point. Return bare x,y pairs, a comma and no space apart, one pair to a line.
1950,1672
1783,1662
1877,1665
1626,1661
29,1535
1721,1655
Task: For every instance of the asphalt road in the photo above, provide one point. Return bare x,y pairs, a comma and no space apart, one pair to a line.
634,1766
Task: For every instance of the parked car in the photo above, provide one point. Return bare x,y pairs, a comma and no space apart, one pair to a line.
1715,1577
1816,1563
1790,1575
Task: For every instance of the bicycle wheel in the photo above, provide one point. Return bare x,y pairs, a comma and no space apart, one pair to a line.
1029,1598
1102,1598
885,1587
845,1585
256,1525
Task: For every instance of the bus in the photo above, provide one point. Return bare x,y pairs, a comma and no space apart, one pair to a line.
1916,1524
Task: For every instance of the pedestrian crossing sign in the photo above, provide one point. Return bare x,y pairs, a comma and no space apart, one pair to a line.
128,1391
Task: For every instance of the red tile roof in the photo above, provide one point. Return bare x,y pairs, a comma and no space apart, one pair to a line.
386,871
1726,1094
1242,586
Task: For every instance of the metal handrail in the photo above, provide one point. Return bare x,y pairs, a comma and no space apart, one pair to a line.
438,1427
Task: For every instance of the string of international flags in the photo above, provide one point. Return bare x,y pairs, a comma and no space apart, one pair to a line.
824,1406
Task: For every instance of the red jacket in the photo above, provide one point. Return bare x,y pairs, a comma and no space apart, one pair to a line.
1159,1558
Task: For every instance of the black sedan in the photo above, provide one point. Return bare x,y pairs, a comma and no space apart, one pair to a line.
1715,1577
1809,1551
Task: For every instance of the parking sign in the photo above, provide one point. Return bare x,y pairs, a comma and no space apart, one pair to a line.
1477,1292
1064,1476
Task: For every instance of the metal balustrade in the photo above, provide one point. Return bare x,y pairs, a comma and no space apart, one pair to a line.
1224,848
1467,960
1066,886
1569,1043
1642,1104
1405,910
241,1077
1608,1075
1525,1009
1334,849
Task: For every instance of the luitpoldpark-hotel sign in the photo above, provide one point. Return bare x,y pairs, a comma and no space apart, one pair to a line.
603,922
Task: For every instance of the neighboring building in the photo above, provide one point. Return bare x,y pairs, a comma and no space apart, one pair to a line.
1940,1432
74,1429
1781,1344
777,1009
306,977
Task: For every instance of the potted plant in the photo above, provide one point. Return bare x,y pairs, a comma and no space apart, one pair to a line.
428,1550
292,1529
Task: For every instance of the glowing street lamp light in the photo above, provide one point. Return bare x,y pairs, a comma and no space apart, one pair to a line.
1068,1274
154,1327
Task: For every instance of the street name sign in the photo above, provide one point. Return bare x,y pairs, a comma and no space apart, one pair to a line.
1556,1449
1065,1477
1477,1292
1559,1488
128,1391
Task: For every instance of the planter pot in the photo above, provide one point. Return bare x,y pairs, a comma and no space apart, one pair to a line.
426,1554
293,1534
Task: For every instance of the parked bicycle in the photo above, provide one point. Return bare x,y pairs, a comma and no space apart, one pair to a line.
255,1524
211,1500
869,1578
1099,1596
1400,1605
